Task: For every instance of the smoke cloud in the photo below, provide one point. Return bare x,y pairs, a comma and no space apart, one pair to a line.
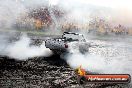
98,64
112,58
79,11
10,12
82,11
22,49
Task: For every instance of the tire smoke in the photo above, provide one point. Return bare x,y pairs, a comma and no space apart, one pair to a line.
107,60
22,49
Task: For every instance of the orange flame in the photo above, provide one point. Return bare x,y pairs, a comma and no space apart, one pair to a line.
81,71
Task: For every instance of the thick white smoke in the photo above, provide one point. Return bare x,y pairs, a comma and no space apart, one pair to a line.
112,58
98,64
10,11
22,49
79,11
115,13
